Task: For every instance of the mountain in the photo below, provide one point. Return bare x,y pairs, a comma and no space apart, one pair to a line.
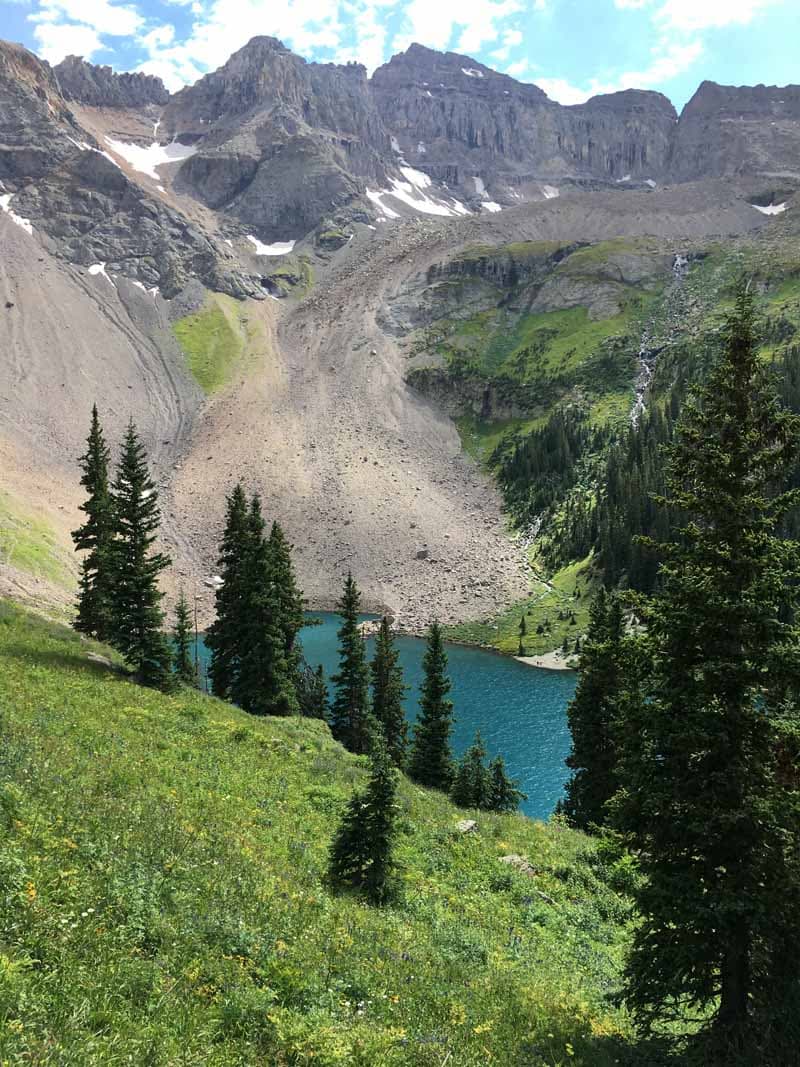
96,86
344,290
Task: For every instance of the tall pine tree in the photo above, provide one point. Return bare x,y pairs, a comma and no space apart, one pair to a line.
138,619
431,762
264,682
224,634
504,796
361,853
183,643
708,797
95,537
290,603
350,712
471,783
606,667
388,691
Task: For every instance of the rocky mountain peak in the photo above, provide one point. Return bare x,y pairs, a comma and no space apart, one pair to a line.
97,86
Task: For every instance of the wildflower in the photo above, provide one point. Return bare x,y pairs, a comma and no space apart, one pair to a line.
483,1028
30,892
569,1049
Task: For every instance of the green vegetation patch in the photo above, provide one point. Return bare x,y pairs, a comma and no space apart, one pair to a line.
213,341
30,544
162,863
556,609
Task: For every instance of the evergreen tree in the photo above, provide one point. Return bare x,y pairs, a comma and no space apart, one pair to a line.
224,634
431,763
350,710
605,674
95,537
263,683
138,618
290,603
312,692
361,853
709,797
182,643
523,629
471,784
503,794
388,692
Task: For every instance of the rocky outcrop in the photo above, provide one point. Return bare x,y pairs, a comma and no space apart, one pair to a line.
282,141
446,110
727,131
70,190
96,86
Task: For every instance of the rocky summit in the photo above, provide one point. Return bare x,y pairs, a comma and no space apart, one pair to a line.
356,294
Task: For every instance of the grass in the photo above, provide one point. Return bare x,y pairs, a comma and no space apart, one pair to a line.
213,341
162,868
547,600
30,544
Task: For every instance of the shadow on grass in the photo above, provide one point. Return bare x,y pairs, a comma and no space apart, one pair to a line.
71,656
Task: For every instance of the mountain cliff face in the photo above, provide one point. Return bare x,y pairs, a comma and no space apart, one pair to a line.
96,86
459,118
65,185
281,141
726,131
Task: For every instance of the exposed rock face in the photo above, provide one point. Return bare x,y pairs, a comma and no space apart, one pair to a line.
97,86
61,180
726,130
283,141
457,118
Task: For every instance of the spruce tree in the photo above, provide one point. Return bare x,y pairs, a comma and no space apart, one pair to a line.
138,619
606,667
183,643
290,603
361,852
96,598
431,763
263,683
388,692
224,634
312,692
471,783
523,630
350,709
710,798
503,796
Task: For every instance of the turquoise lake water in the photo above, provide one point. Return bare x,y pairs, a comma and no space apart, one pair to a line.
519,710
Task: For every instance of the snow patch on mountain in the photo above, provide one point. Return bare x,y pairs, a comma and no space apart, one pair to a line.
25,224
279,248
146,159
471,72
770,209
550,192
491,206
100,269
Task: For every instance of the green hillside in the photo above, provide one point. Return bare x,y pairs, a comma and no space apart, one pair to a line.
161,878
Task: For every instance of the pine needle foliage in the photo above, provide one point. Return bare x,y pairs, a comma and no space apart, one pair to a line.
223,636
471,783
137,616
504,796
264,681
606,673
388,692
431,761
711,774
350,711
183,643
95,537
361,852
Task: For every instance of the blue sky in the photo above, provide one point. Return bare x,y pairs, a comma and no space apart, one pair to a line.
571,48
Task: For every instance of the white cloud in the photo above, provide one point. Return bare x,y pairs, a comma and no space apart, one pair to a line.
226,25
693,15
517,69
117,20
674,59
437,24
510,39
626,5
160,37
57,40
